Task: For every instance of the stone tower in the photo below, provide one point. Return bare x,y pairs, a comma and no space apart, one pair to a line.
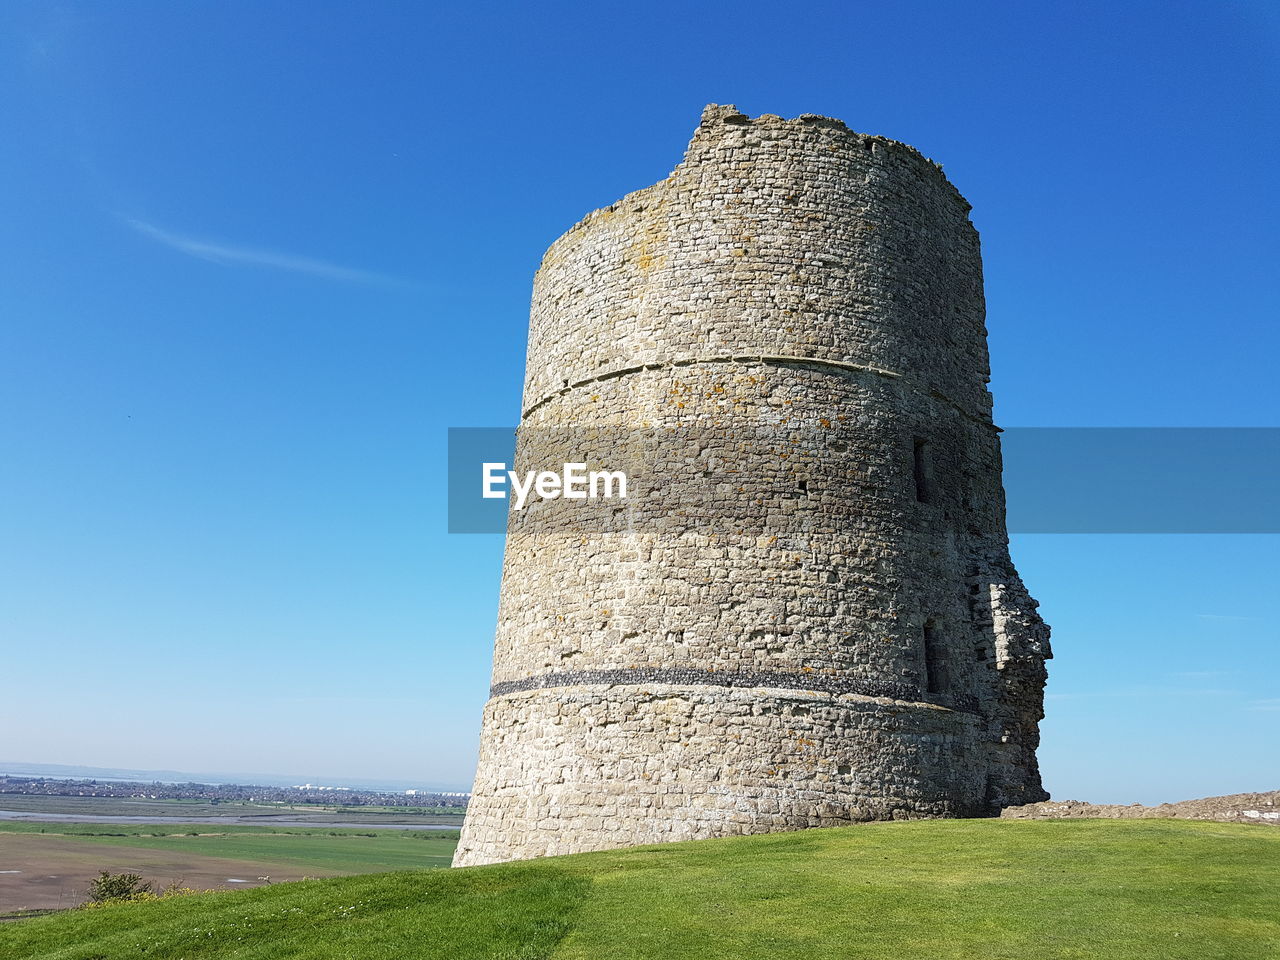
805,613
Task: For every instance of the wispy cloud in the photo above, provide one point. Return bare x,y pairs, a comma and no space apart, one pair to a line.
1131,693
229,253
1201,674
1224,616
1271,704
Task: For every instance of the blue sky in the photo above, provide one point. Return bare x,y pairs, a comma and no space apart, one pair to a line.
254,264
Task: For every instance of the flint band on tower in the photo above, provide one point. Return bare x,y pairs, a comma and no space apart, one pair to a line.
807,615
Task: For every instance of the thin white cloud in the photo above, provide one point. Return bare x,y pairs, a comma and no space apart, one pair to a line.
1224,616
226,253
1149,692
1201,674
1271,704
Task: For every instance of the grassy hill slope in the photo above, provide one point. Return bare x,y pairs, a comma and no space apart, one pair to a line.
943,890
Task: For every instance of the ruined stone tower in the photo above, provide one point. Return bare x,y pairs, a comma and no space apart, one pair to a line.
805,613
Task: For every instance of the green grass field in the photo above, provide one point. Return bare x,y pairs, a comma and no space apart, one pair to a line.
943,890
329,850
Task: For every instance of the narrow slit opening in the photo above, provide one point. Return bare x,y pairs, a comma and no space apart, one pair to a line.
920,467
933,658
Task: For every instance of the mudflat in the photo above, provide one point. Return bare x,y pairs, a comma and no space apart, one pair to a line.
44,872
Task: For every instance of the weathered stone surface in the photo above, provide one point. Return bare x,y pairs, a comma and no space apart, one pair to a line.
805,613
1261,808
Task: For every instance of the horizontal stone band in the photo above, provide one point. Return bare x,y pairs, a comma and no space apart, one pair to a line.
839,367
683,676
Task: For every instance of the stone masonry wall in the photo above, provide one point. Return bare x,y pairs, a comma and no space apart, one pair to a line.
804,613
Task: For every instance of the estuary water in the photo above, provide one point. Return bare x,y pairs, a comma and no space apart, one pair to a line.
265,820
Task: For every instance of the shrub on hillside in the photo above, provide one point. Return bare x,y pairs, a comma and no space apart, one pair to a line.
109,887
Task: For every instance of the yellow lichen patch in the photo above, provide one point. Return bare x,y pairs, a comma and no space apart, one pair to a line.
646,251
